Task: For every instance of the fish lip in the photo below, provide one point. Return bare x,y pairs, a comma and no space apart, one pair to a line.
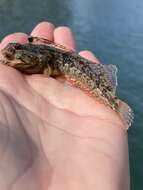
3,51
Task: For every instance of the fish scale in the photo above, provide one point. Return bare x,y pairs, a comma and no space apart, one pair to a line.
97,79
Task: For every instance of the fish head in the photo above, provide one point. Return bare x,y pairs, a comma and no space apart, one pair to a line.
21,58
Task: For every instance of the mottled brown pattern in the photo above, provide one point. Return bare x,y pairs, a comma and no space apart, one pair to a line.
55,61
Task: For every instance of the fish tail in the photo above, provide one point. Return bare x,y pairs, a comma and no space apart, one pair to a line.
126,113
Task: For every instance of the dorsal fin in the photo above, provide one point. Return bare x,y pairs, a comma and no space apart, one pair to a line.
36,40
111,71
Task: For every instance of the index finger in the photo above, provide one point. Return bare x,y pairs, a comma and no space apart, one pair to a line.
18,37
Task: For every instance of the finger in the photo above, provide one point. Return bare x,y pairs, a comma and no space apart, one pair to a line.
15,37
64,36
89,55
44,30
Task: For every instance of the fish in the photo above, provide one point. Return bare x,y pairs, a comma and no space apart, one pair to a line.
41,56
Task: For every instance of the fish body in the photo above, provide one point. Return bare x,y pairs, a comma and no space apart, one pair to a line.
97,79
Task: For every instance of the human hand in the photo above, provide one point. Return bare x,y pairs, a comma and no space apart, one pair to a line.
52,135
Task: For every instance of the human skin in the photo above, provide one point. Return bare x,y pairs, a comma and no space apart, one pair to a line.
52,135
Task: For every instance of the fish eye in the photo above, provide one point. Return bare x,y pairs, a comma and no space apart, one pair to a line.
17,46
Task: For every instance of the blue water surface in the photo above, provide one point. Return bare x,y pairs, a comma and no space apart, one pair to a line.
113,30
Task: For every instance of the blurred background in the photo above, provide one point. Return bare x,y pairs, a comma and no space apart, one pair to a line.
113,30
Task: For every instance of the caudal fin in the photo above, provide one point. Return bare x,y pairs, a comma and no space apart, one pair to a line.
125,113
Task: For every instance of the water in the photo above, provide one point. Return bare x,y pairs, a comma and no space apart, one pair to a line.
113,30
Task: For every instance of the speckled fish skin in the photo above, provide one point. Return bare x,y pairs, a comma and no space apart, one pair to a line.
52,61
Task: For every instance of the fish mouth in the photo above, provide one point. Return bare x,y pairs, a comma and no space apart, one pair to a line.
8,62
8,53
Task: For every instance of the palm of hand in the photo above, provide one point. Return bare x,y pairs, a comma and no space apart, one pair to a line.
47,130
